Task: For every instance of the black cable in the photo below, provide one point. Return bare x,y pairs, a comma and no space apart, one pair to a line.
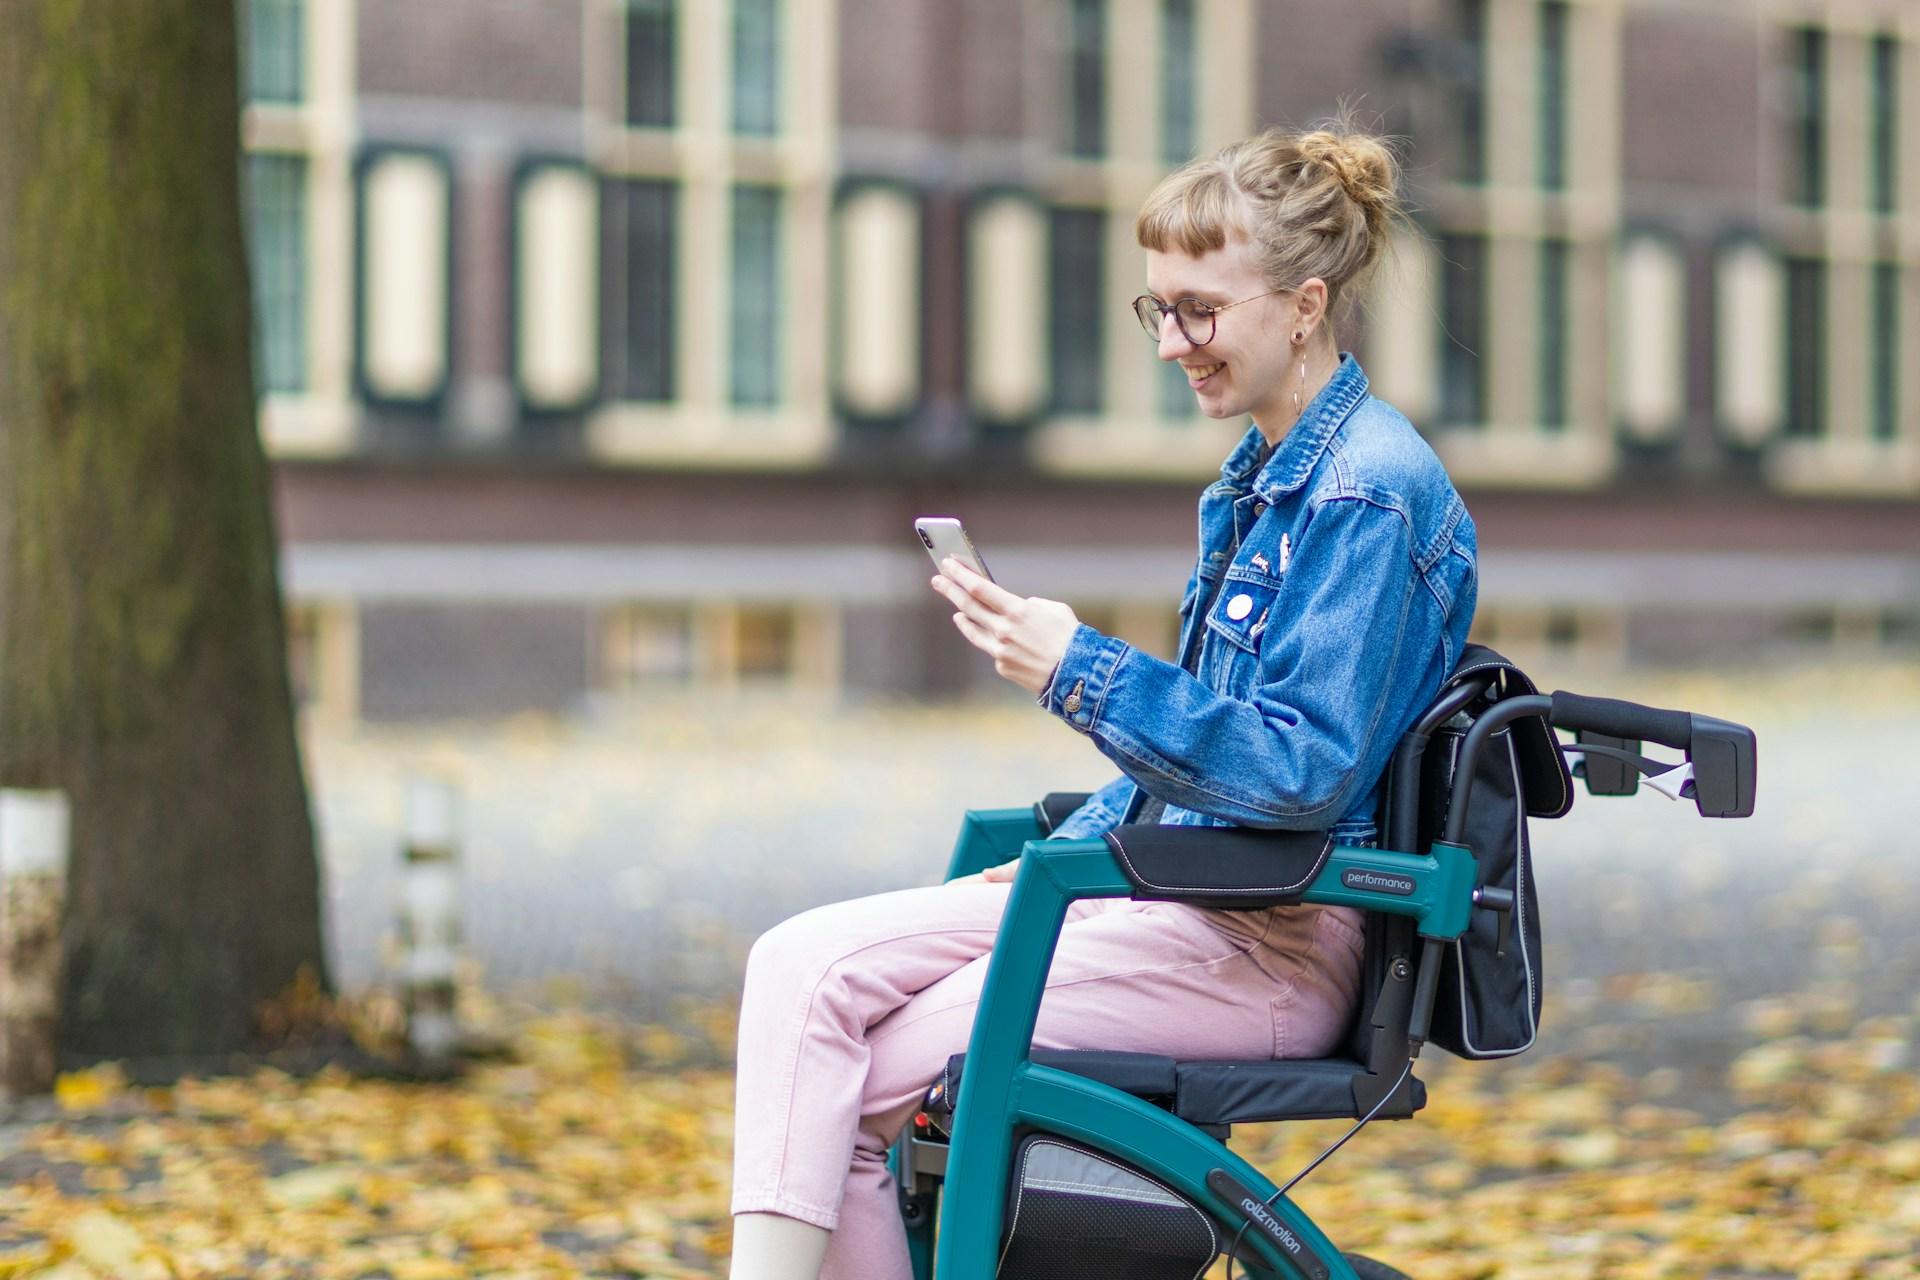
1647,765
1294,1181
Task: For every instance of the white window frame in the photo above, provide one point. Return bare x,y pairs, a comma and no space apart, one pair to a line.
319,421
1131,435
1516,214
706,158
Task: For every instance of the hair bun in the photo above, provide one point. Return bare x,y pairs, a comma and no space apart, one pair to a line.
1363,165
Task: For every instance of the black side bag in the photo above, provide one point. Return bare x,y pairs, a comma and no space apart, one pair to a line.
1079,1212
1489,1004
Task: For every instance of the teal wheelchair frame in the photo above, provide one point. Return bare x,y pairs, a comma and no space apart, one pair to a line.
962,1186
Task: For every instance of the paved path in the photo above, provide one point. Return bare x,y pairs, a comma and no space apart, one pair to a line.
633,860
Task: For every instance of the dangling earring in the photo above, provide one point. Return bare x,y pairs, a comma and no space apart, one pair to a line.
1299,339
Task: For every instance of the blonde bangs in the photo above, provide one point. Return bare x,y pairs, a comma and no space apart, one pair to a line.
1193,211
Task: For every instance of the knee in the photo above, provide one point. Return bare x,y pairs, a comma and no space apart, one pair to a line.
771,955
793,953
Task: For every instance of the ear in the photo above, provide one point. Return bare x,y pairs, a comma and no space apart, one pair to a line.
1310,306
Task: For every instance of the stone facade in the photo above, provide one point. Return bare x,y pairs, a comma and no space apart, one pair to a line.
481,550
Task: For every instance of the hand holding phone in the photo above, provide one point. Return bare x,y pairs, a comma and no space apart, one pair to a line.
1025,636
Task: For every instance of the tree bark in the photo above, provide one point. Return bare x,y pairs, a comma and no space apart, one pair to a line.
142,646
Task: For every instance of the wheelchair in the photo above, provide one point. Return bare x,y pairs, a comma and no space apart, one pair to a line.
1030,1164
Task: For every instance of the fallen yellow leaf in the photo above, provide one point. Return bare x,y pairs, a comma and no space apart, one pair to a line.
108,1245
426,1269
90,1089
305,1188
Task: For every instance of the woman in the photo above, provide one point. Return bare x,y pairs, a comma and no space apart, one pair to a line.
1333,591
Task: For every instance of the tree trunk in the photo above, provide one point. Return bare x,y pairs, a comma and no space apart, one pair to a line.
142,646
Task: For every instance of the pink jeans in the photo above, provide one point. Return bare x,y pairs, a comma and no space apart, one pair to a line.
851,1010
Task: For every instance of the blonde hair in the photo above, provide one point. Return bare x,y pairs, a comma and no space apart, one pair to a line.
1312,204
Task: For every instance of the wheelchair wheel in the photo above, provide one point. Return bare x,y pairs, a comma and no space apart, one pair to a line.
1368,1269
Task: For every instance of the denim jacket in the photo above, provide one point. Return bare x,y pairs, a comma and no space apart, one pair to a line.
1333,592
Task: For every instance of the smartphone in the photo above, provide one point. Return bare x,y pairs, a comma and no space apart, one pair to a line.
945,536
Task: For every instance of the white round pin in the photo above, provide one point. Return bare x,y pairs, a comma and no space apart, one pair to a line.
1240,606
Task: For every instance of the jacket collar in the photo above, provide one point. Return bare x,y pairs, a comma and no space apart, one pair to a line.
1299,450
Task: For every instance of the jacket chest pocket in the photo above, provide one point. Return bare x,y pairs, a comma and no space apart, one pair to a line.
1241,613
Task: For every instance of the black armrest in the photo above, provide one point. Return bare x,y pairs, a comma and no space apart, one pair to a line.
1722,753
1057,806
1235,867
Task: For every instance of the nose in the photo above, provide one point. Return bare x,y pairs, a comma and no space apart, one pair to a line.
1173,342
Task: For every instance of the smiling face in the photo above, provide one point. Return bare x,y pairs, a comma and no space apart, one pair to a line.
1244,369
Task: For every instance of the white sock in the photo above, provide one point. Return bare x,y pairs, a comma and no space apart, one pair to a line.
769,1246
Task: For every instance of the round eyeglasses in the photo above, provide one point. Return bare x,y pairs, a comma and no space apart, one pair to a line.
1195,318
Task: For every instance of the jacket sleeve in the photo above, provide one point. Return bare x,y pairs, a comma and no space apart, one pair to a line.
1100,814
1301,747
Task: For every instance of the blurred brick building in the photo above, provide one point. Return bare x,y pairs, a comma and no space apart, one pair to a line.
610,346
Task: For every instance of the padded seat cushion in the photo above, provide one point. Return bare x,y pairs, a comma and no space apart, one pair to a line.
1300,1089
1144,1075
1214,1092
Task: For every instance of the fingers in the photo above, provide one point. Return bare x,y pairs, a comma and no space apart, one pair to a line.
965,601
1002,874
987,592
993,641
1025,637
979,599
981,638
973,595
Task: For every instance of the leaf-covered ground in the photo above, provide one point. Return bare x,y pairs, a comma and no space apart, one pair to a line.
581,1155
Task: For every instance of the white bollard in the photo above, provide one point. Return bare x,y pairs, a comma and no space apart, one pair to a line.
34,833
430,918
